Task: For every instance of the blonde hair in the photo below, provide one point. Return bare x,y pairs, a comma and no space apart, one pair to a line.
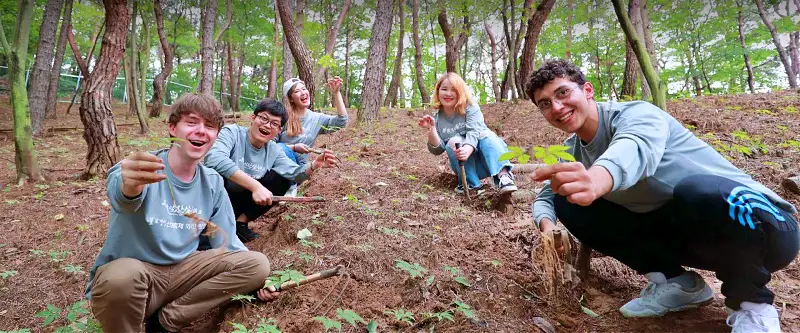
463,99
293,125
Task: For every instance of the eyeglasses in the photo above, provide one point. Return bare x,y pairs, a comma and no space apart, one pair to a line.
264,120
561,95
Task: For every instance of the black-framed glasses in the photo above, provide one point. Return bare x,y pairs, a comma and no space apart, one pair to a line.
266,121
561,95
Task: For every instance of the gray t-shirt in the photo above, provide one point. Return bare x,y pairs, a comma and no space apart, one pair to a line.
470,126
313,123
152,228
647,152
233,151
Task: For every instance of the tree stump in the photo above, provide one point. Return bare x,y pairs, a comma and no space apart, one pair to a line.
584,260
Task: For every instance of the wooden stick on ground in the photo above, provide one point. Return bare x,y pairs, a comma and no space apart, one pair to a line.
463,176
308,279
298,199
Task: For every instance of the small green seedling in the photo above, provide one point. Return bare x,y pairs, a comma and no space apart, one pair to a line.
413,269
73,269
279,277
243,298
7,274
457,277
402,315
549,155
465,309
448,315
264,326
328,323
350,317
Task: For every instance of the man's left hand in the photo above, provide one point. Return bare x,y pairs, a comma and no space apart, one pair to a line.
573,181
266,295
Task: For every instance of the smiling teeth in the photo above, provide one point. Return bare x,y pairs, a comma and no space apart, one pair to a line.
564,117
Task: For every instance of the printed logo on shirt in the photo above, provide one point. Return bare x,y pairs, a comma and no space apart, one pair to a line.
253,168
180,210
455,129
196,227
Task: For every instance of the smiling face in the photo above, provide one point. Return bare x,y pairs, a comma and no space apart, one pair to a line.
565,104
448,95
299,96
196,136
263,128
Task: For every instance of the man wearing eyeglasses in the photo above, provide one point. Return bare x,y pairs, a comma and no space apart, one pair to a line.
254,166
648,192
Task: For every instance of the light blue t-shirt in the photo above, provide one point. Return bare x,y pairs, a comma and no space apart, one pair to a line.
152,228
470,126
314,124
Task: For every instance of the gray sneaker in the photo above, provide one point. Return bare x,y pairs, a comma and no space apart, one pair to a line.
505,183
660,296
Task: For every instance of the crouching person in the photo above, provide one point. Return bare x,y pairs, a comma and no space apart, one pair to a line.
255,166
149,269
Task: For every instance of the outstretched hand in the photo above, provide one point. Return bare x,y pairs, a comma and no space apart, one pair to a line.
301,148
326,160
139,169
334,84
426,122
574,182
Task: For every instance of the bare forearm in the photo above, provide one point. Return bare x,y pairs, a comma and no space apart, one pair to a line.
338,102
241,178
601,180
433,137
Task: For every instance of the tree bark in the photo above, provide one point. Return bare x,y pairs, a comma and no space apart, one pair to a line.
452,43
207,47
744,50
143,64
347,65
273,65
55,73
794,54
570,17
647,35
397,75
375,68
426,99
229,18
631,62
493,45
288,60
775,39
16,55
302,56
166,63
43,65
658,87
100,131
330,40
535,24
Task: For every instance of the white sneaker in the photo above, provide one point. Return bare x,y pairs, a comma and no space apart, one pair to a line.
754,317
292,191
660,296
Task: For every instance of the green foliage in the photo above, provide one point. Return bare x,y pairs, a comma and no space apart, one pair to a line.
243,298
328,323
465,309
413,269
58,256
549,155
308,243
73,269
78,318
448,315
22,330
789,109
457,276
350,317
279,277
790,144
307,258
7,274
264,326
402,315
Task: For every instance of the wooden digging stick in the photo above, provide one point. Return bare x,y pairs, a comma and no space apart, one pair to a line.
308,279
298,199
463,175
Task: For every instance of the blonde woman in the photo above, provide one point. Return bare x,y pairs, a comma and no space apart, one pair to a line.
459,120
304,125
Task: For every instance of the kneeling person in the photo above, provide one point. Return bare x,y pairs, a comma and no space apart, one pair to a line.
255,166
149,266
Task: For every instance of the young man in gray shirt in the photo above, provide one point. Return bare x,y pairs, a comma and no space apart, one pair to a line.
648,192
160,202
255,166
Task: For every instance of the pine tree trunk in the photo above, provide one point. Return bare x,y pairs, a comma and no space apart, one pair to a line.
535,24
452,43
225,68
135,77
631,63
238,88
55,73
144,63
744,51
426,99
273,65
16,55
397,75
100,131
375,68
794,43
651,49
570,17
207,47
302,56
347,66
330,40
40,74
166,63
776,40
493,48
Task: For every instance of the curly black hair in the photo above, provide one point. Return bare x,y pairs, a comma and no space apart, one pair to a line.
549,71
272,107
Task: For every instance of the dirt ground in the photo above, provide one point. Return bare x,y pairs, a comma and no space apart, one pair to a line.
390,200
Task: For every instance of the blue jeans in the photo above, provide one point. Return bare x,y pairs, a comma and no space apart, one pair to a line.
289,152
483,162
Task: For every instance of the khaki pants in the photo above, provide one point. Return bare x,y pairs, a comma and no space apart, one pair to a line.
126,291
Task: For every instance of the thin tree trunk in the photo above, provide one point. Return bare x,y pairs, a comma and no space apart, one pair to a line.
452,43
144,63
330,39
43,65
100,131
631,62
16,55
647,35
776,39
570,17
535,24
238,88
228,19
744,51
228,81
347,65
426,99
658,87
288,60
79,59
55,74
698,86
397,75
207,47
375,68
273,65
794,54
302,55
493,45
166,63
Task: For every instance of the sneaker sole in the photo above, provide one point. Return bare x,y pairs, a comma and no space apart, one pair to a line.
649,314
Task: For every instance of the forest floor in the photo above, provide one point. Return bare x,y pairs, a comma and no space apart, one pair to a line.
390,200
